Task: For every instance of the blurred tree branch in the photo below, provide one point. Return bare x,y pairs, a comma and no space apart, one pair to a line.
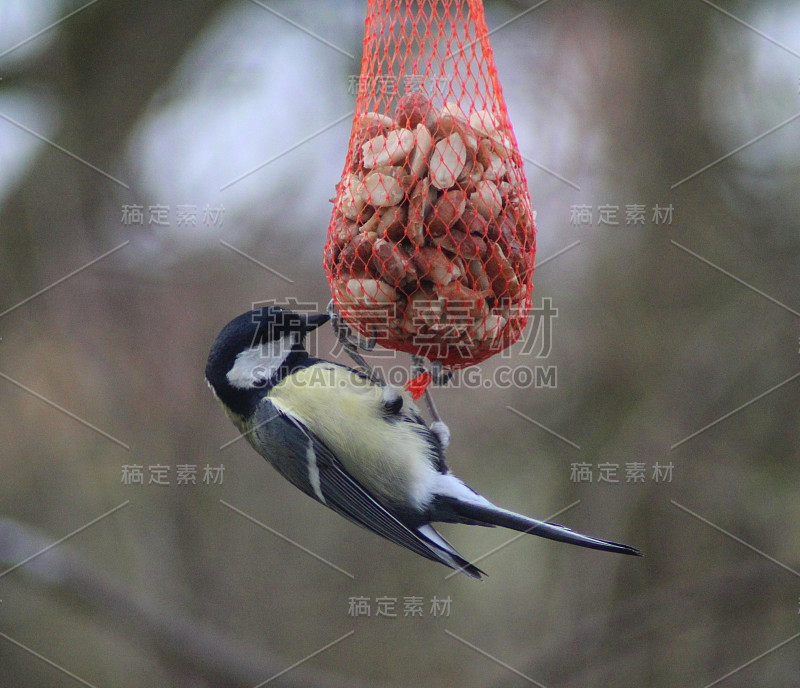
188,645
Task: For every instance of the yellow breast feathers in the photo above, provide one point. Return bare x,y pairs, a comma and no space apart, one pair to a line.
346,412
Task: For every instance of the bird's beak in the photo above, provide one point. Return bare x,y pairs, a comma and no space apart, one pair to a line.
314,320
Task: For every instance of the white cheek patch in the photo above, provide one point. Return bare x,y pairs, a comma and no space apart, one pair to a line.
253,367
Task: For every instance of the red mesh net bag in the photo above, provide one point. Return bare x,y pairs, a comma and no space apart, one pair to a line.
431,244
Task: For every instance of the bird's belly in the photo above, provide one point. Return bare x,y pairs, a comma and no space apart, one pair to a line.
388,457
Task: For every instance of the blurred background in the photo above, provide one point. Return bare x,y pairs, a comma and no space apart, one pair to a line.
165,165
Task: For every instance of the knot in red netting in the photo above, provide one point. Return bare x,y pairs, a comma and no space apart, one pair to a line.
431,243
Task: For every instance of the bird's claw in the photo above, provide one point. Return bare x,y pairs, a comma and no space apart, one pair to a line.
352,341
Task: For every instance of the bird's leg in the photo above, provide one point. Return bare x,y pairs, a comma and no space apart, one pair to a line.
351,342
439,376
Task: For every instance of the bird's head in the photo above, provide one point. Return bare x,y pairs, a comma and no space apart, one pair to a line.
254,351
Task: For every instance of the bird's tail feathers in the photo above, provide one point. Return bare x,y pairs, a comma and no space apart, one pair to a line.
446,553
490,515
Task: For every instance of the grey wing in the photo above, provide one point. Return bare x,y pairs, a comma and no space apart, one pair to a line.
322,477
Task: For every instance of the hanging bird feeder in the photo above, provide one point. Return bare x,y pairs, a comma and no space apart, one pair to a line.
431,243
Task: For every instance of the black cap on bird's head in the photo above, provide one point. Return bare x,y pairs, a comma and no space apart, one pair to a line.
256,350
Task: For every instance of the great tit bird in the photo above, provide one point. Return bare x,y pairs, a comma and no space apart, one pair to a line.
358,447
